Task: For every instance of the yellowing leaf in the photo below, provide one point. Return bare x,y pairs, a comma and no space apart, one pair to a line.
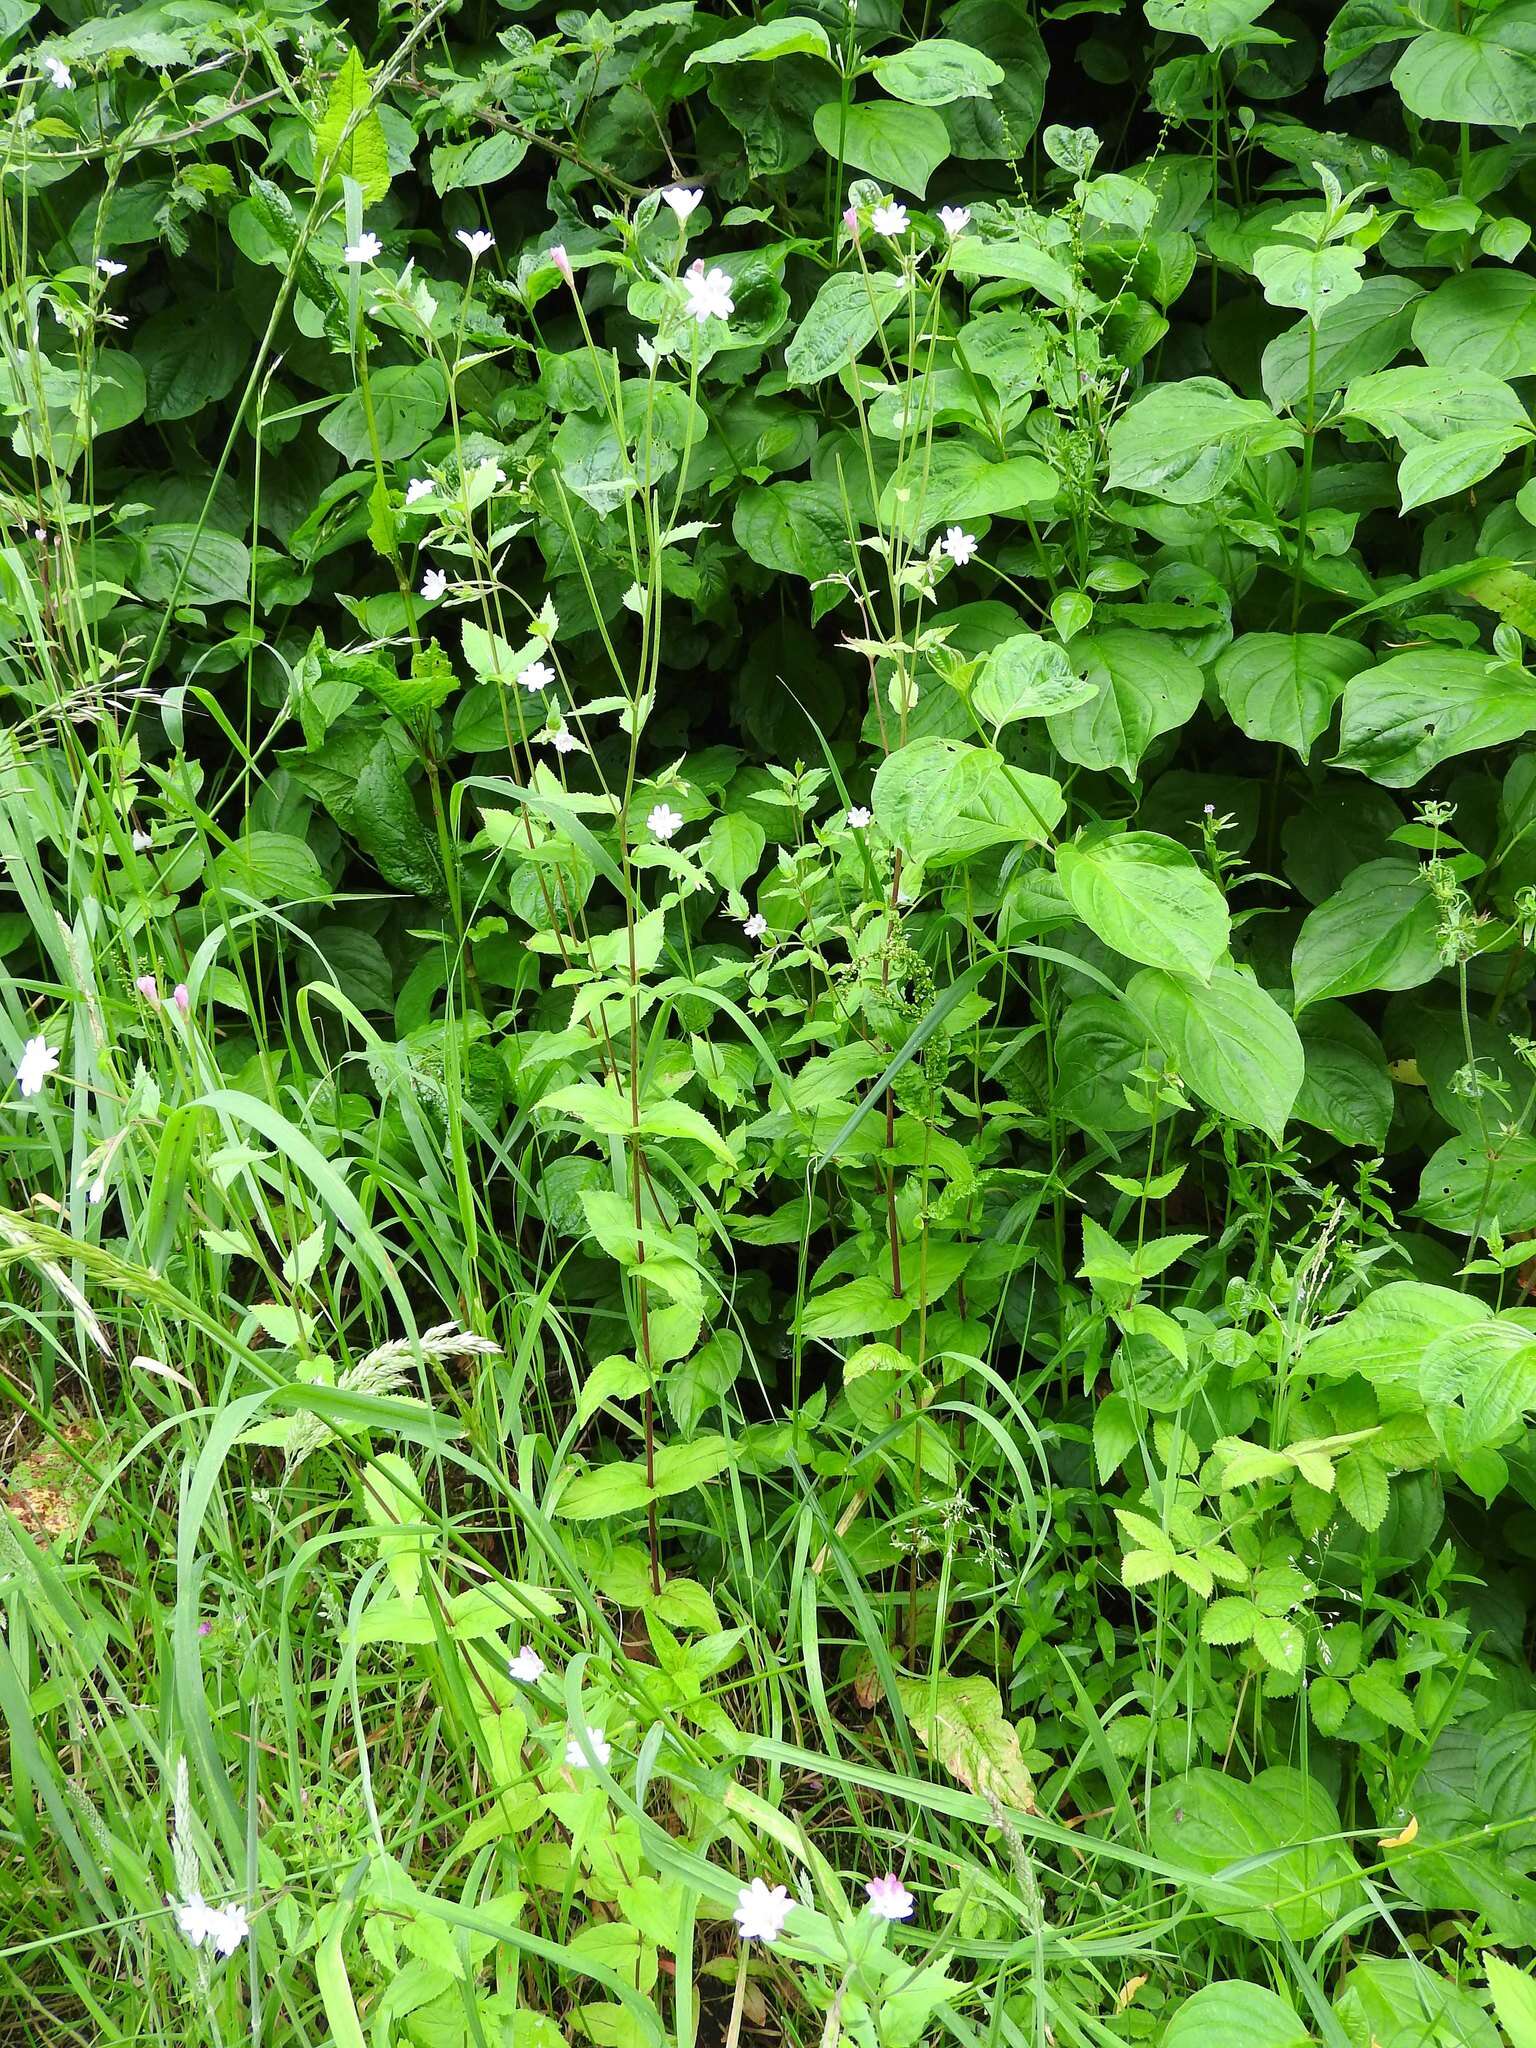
960,1721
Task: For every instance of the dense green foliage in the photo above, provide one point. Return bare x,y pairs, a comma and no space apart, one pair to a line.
768,873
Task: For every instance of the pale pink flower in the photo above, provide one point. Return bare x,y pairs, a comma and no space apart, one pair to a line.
561,261
527,1666
889,1898
149,989
756,925
851,221
181,996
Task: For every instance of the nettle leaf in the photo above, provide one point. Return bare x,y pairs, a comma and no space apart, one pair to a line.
1486,77
899,145
960,1721
1315,280
1283,687
1230,1043
847,313
1143,686
1236,2015
930,74
409,402
1385,1338
1346,1089
621,1489
793,35
943,801
1405,716
1145,896
1026,676
1378,931
1263,1857
1485,319
955,481
1185,442
349,137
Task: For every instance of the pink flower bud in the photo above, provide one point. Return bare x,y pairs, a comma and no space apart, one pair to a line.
851,221
181,996
149,989
562,262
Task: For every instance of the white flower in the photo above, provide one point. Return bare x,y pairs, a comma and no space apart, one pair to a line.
527,1667
858,817
366,249
538,675
433,584
889,1898
576,1755
709,294
58,73
418,488
889,220
563,740
476,241
195,1917
229,1929
954,220
141,842
958,545
97,1193
682,202
39,1060
755,925
108,268
761,1910
663,821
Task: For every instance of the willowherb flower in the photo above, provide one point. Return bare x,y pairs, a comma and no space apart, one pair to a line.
561,261
418,488
858,817
576,1754
477,241
39,1060
889,220
954,220
141,841
664,822
761,1910
149,989
108,268
181,996
538,675
563,740
851,221
682,201
59,73
709,294
527,1666
756,925
366,249
433,584
889,1898
958,545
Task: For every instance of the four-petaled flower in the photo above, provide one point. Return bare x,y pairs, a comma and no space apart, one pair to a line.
433,584
561,261
477,241
58,73
954,220
889,1898
663,821
709,294
418,488
149,989
761,1910
858,817
756,925
366,249
108,268
889,220
39,1060
958,545
576,1754
142,841
563,740
527,1667
538,675
682,201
